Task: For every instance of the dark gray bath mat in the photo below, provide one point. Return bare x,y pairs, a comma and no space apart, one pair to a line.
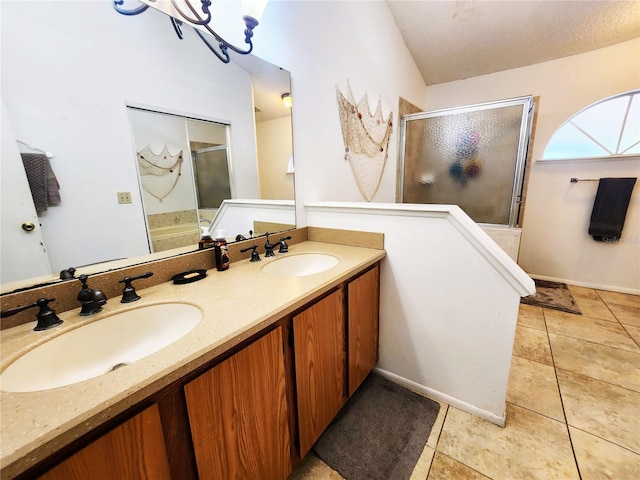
380,433
552,295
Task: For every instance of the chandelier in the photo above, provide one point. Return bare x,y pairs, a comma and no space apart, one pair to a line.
187,12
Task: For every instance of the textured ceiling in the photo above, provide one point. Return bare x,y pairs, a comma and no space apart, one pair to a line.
453,40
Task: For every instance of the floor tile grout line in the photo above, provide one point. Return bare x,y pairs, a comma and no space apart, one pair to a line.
458,461
606,440
444,419
599,380
435,448
632,338
535,361
608,308
564,412
528,409
599,343
623,325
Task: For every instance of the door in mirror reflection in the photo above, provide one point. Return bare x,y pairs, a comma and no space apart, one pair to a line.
183,173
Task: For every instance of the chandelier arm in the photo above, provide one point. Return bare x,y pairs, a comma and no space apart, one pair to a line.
177,27
117,5
248,33
224,56
199,20
223,46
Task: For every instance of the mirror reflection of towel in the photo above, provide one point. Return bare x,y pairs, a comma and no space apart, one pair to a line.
610,208
42,181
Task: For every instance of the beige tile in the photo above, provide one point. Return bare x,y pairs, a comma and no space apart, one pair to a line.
627,314
532,344
312,468
619,298
531,316
421,470
602,409
531,446
594,308
634,332
591,329
583,292
599,460
608,364
436,429
444,467
533,385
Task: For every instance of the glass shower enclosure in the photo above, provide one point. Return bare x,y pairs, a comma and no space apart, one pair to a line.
472,156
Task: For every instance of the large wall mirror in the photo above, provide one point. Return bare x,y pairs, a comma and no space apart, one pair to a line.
72,73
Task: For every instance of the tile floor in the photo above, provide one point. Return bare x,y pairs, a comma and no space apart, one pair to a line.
573,403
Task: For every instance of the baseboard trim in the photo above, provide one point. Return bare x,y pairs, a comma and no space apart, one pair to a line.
610,288
441,397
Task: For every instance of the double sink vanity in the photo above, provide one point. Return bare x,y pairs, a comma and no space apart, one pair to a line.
233,376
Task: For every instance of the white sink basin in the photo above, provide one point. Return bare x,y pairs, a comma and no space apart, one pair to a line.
300,265
100,347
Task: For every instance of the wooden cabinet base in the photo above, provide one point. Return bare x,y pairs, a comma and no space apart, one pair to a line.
239,417
320,359
134,451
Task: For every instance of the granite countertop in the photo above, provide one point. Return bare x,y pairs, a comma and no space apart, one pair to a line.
236,304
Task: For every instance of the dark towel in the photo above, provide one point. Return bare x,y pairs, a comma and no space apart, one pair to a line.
42,181
610,208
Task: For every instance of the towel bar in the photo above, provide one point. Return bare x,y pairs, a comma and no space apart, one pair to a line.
576,180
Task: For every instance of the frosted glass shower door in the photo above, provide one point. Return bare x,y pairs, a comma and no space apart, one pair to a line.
470,156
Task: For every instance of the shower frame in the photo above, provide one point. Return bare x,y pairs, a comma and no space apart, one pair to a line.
517,193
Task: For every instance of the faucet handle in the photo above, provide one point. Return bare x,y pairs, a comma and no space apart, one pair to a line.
284,248
255,257
128,292
47,317
68,273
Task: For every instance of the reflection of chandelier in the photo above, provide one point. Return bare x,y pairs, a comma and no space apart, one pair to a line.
252,11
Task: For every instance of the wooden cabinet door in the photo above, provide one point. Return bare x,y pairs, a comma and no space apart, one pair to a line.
134,450
320,365
363,317
239,416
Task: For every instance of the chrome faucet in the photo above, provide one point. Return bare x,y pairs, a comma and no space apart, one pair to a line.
91,299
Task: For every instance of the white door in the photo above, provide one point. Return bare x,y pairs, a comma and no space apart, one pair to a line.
22,253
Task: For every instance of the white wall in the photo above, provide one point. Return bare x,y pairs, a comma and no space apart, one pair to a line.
325,44
449,300
68,69
274,140
238,216
555,242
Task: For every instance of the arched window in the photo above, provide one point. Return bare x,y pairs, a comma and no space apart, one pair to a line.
607,128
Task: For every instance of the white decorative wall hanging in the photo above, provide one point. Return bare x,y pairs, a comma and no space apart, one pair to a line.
366,140
159,173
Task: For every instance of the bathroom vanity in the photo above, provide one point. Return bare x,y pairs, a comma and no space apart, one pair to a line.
245,394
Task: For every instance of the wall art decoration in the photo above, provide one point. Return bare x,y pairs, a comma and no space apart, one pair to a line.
366,140
159,172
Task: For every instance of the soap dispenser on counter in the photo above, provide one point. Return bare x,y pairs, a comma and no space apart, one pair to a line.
221,251
205,239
